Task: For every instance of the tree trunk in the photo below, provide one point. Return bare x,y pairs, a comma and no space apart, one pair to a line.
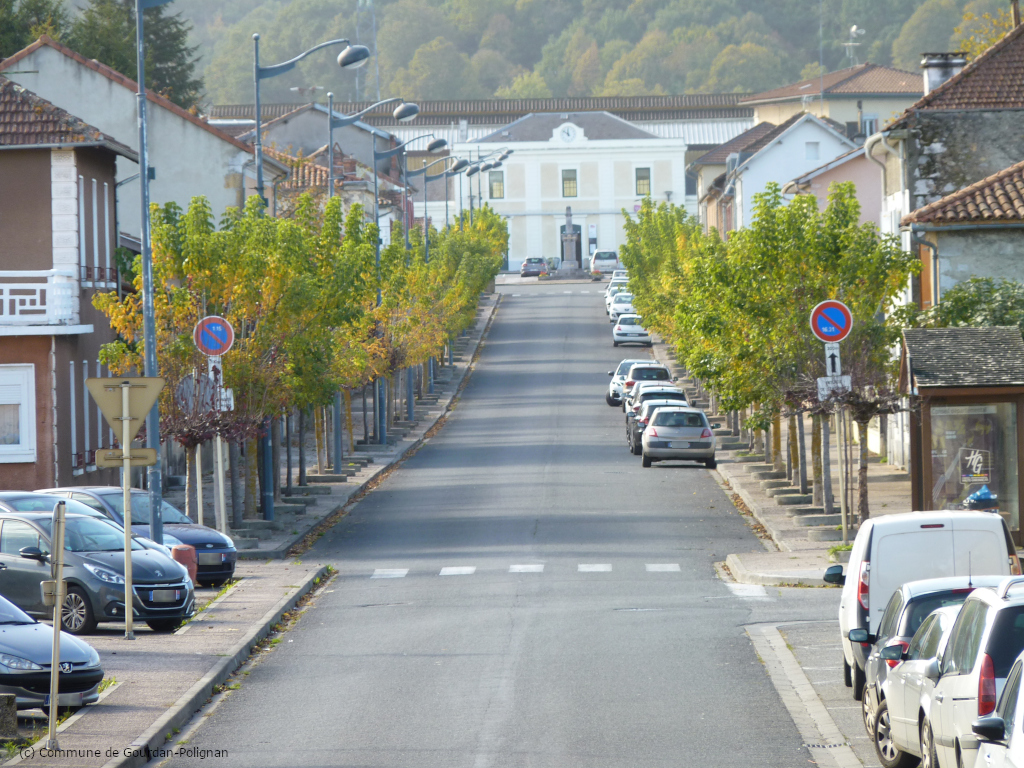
302,447
794,449
862,473
768,445
777,456
826,462
366,424
250,478
817,499
801,446
347,393
318,437
234,460
190,462
883,438
275,438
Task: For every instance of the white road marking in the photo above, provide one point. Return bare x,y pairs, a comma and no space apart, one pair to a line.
748,591
516,295
566,291
526,568
584,291
458,570
594,567
389,573
663,567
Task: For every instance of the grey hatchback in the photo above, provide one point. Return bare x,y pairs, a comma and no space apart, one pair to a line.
94,571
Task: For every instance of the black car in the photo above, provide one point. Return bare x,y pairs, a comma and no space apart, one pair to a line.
533,266
94,571
215,553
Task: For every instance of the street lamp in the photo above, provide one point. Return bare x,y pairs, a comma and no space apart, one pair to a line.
352,57
404,112
379,395
504,152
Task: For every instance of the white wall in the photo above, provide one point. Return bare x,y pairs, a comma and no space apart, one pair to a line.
188,159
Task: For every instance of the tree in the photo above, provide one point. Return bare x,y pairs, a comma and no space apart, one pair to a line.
437,71
929,28
982,27
586,75
975,302
106,32
529,85
22,21
746,67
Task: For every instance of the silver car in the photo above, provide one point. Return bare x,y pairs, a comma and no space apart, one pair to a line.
622,304
679,434
630,330
615,386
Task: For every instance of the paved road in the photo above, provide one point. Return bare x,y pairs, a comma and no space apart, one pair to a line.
523,593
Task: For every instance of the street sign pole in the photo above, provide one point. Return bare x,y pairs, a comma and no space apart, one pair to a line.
213,336
126,440
57,572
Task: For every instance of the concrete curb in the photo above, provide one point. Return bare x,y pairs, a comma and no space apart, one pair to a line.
185,707
742,576
754,507
281,552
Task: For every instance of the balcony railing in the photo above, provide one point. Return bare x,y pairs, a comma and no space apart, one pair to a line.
38,297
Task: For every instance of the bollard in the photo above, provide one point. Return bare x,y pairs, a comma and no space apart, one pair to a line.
8,717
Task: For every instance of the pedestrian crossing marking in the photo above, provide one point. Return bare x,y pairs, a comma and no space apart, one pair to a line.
389,573
748,591
458,570
662,567
594,567
526,569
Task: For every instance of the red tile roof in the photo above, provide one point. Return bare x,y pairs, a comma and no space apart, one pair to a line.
720,154
994,80
1000,197
29,120
117,77
860,80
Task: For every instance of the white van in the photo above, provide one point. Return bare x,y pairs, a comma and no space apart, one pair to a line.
892,550
605,262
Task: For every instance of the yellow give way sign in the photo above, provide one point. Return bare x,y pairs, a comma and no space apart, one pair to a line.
109,395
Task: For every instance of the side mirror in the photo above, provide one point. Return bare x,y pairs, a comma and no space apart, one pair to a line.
834,575
931,670
891,652
990,728
32,553
611,373
860,635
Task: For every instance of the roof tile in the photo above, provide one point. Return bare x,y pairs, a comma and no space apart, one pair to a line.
999,197
966,357
859,79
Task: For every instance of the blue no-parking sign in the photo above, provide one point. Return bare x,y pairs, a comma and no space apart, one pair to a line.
831,321
213,335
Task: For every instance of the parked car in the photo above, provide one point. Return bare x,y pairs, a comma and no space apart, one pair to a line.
26,655
1001,746
984,643
892,550
906,692
604,262
614,288
622,304
630,330
682,434
533,267
633,398
620,274
909,605
94,570
614,394
636,425
215,553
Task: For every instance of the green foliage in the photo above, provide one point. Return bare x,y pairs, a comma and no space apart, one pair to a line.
527,48
984,23
975,302
22,21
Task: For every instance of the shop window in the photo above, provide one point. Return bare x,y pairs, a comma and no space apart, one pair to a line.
974,458
569,182
497,185
643,182
17,414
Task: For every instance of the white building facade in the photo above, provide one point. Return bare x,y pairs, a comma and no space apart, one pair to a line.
594,163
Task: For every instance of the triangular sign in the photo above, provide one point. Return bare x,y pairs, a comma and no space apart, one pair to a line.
142,393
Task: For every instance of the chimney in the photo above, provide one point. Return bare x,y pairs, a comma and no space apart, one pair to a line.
939,67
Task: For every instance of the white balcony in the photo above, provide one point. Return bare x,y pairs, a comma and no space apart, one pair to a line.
39,302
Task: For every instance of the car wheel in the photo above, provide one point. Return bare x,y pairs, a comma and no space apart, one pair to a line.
163,625
888,755
867,714
608,399
858,682
646,460
929,758
615,343
710,463
76,617
636,448
847,678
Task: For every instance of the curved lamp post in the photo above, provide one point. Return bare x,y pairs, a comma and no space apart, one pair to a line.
478,167
352,57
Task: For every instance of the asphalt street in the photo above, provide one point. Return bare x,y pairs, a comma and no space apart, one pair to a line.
521,592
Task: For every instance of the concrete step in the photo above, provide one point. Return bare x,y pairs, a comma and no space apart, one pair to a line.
783,491
807,520
825,534
794,500
327,479
768,484
306,490
799,511
348,471
244,539
295,501
284,508
767,474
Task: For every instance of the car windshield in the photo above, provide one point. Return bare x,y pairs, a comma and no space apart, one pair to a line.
678,419
919,608
89,534
629,321
43,503
623,298
140,509
534,261
662,396
12,614
650,374
624,367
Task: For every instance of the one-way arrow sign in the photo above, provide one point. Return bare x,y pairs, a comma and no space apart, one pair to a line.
833,363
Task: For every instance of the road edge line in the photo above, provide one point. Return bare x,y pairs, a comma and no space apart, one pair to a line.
821,735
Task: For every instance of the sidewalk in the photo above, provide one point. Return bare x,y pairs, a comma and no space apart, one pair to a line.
162,679
801,532
296,516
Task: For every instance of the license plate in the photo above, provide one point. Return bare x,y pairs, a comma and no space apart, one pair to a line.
678,445
164,595
208,558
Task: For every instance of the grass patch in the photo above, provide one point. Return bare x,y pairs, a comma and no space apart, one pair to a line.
839,548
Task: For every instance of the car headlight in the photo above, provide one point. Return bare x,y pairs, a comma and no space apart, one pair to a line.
230,541
16,662
94,658
104,574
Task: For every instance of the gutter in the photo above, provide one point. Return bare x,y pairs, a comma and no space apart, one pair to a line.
122,150
868,145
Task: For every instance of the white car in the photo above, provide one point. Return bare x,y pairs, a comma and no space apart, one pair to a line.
614,395
611,291
678,434
629,330
1001,745
622,304
620,274
604,261
894,549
